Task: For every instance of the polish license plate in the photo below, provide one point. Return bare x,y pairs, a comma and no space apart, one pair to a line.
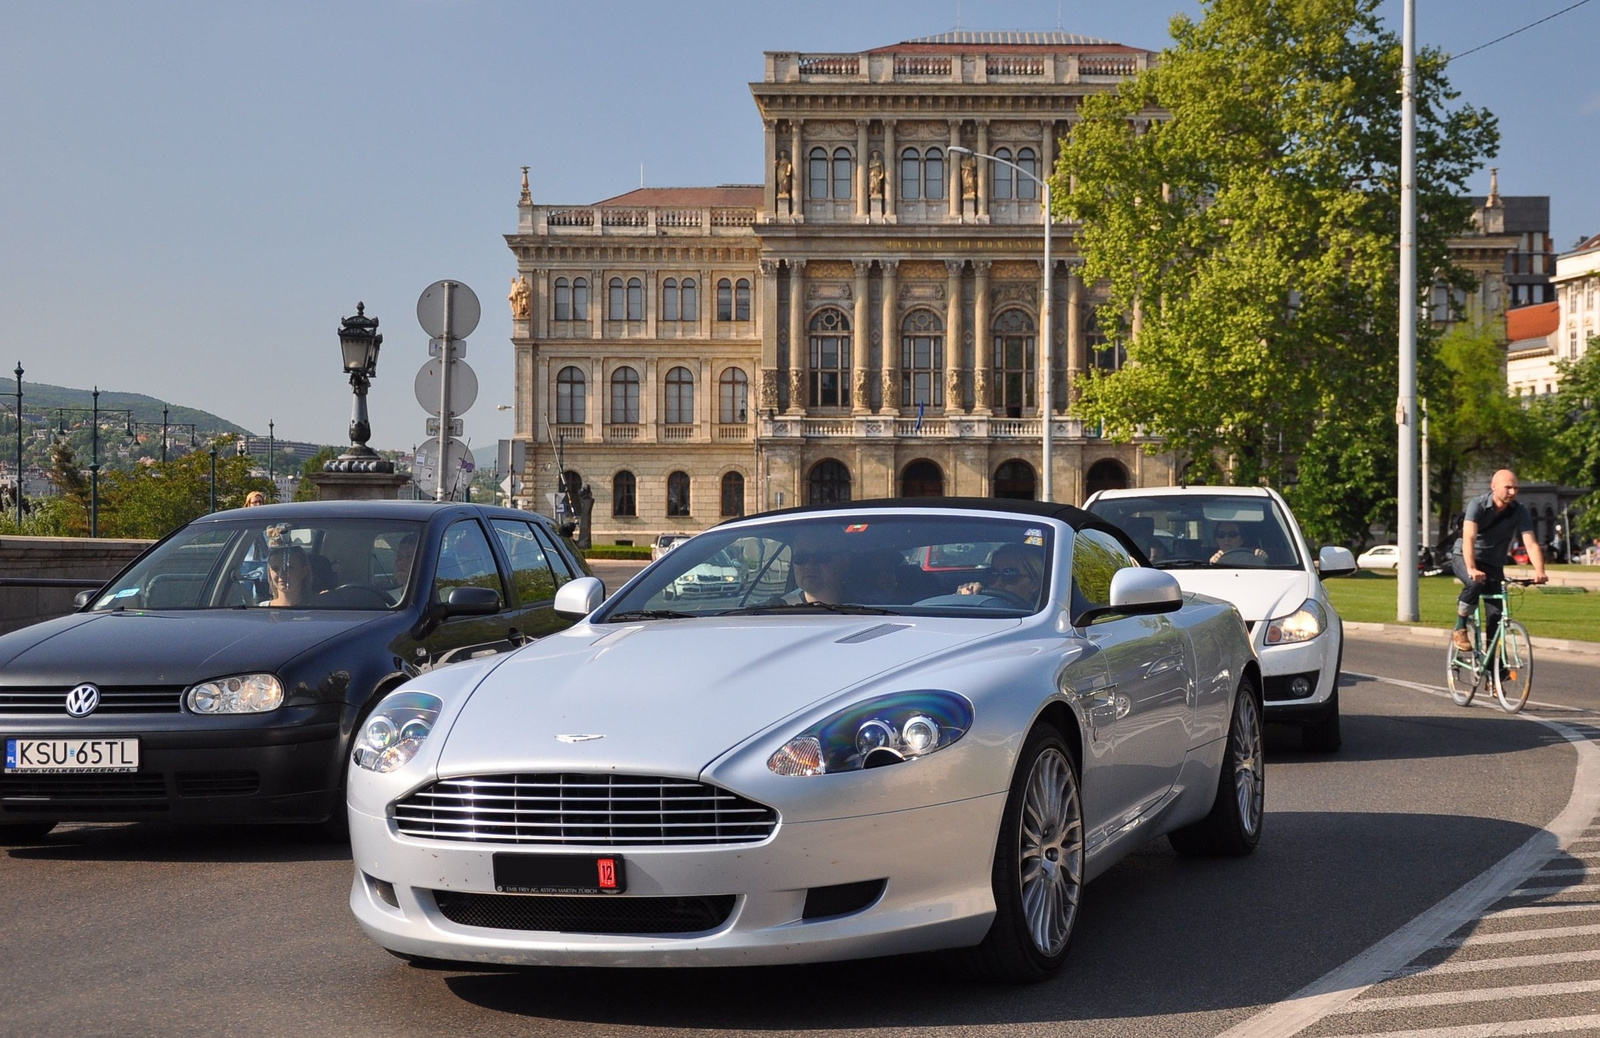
558,874
71,756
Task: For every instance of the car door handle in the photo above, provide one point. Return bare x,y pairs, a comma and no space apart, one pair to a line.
1163,665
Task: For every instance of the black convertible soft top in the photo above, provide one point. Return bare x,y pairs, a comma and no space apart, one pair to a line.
1073,516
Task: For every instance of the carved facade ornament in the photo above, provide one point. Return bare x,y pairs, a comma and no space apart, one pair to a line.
826,291
922,131
1015,270
527,196
921,293
831,269
889,395
520,297
783,173
769,389
861,391
969,178
1025,294
911,270
875,175
797,388
769,268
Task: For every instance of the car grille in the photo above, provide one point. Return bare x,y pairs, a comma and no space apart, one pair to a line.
217,783
615,914
130,792
126,699
608,810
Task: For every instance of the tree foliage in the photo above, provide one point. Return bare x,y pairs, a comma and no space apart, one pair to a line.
1248,240
306,490
1571,420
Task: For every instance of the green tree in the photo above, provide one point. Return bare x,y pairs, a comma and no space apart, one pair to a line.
1248,239
307,490
153,500
1570,418
73,511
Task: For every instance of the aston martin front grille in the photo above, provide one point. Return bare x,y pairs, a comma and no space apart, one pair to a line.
114,699
565,809
608,915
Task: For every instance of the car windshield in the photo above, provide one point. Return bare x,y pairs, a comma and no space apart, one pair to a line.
866,563
310,564
1218,531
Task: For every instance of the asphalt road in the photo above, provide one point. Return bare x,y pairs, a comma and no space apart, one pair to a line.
152,930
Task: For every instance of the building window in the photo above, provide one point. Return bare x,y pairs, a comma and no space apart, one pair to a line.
1103,356
733,398
922,174
841,172
724,300
910,175
570,403
1014,480
741,300
625,397
817,180
563,301
829,482
933,174
616,300
624,495
1002,175
922,360
635,299
828,373
690,296
922,479
733,494
572,299
678,494
680,396
1015,367
1027,190
669,299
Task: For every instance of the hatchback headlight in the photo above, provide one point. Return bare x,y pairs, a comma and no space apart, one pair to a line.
886,730
240,694
396,730
1302,625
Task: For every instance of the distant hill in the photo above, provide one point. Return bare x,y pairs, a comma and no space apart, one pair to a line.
39,398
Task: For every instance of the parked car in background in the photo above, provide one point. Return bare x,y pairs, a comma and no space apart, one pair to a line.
1268,572
665,542
708,579
180,692
837,754
1381,557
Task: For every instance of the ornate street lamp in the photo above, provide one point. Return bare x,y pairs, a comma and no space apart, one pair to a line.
359,341
19,446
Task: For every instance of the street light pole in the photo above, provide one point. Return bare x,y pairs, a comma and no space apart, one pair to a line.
272,451
19,446
1406,406
163,434
1046,336
94,468
213,476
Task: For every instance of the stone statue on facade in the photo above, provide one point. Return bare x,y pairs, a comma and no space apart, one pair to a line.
969,178
785,176
875,175
520,298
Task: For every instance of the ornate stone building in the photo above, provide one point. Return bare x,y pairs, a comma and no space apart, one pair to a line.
863,324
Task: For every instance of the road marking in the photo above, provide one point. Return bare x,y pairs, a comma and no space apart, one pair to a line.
1572,888
1484,698
1553,1025
1518,936
1575,906
1509,962
1451,998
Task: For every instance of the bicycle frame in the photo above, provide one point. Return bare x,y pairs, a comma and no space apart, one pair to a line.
1493,655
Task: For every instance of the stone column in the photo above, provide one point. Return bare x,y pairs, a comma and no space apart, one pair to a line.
891,179
597,406
981,338
797,191
798,347
767,374
985,171
1077,342
954,359
891,337
862,201
860,339
769,197
597,300
952,169
1044,329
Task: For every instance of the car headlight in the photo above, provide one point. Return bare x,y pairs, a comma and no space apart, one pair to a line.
395,731
240,694
1302,625
886,730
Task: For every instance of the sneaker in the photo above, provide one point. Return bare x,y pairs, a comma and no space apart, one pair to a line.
1461,639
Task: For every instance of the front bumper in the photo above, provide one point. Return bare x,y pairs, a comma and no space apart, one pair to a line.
935,862
1316,660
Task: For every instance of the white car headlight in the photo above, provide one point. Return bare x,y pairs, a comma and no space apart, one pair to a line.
240,694
1302,625
886,730
395,731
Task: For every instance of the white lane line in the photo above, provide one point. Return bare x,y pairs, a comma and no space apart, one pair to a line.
1551,1025
1560,908
1510,962
1517,936
1573,888
1343,984
1542,873
1484,698
1451,998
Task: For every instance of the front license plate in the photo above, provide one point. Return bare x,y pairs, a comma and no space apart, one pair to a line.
72,756
558,874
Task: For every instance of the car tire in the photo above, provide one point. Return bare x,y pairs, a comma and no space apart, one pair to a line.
1233,828
1037,876
1322,735
13,833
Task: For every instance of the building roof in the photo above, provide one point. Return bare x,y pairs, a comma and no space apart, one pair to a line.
725,196
1587,244
962,40
1524,213
1532,322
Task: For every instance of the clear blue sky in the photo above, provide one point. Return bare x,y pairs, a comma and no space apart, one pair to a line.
192,194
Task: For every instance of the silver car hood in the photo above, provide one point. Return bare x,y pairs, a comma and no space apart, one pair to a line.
669,697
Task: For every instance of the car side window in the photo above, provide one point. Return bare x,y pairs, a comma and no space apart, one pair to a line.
530,568
466,560
1096,557
558,553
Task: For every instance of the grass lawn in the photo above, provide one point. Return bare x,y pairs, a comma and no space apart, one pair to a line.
1549,612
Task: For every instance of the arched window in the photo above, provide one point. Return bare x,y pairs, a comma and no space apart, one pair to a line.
724,300
1027,190
669,299
570,403
580,299
922,479
691,300
1002,174
1015,365
741,300
933,174
625,397
1106,474
817,181
1014,480
624,494
678,494
635,299
733,494
922,359
841,172
733,398
910,175
829,482
563,300
616,302
680,397
828,371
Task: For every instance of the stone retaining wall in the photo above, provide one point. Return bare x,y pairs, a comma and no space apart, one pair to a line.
57,557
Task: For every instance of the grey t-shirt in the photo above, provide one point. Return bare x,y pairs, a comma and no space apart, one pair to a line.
1496,529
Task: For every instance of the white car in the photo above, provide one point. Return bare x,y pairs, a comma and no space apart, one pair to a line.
1269,574
1381,557
710,579
666,542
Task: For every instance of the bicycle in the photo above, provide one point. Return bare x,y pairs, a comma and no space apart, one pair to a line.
1509,650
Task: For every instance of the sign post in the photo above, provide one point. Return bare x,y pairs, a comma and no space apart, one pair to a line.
448,311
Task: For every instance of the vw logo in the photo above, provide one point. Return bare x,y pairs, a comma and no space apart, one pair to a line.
82,700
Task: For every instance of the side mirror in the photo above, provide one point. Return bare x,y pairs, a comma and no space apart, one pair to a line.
1138,592
471,601
578,598
1334,560
83,598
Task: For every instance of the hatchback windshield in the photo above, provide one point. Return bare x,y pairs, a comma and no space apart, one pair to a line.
1220,531
323,564
908,564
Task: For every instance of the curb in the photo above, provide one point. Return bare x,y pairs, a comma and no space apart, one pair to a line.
1438,635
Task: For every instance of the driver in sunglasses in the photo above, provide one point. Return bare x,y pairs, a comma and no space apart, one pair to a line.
1230,537
1014,570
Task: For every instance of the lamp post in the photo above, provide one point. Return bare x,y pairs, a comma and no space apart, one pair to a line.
1046,337
358,343
213,476
272,456
19,446
94,412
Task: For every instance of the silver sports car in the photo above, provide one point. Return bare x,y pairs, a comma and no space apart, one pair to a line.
906,725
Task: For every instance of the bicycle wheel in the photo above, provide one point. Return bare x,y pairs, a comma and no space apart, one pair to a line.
1462,672
1513,678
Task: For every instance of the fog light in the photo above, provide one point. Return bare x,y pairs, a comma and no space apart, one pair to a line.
1300,686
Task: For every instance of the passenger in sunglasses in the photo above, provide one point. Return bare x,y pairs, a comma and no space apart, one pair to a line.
1015,571
1230,537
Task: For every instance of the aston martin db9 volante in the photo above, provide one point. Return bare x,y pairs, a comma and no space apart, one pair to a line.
906,725
220,676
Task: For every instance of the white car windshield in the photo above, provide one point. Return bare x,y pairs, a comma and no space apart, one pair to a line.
916,564
1219,531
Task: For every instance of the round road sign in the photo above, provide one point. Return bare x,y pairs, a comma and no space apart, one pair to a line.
463,387
464,310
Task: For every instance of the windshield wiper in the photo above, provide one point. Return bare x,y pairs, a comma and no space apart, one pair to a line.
845,609
650,614
1178,564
